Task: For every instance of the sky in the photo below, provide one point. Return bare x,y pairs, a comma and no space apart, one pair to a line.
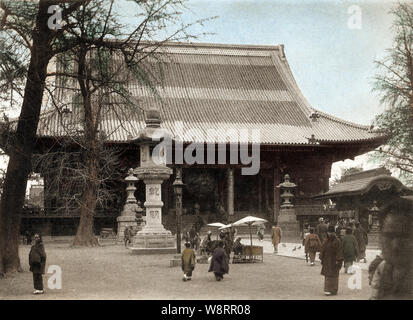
332,63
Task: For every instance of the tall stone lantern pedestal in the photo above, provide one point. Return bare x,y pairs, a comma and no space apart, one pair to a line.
131,209
287,218
374,233
153,238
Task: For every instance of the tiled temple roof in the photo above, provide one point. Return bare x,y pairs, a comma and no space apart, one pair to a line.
223,87
362,182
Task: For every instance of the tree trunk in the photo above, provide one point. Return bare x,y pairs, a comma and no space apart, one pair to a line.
85,234
21,147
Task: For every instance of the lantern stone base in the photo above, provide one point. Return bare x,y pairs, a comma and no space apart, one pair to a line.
374,239
123,222
290,227
149,242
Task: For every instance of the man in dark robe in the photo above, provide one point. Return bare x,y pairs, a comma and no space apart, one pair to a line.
28,237
127,236
322,230
238,246
228,244
362,241
193,236
331,257
206,244
219,262
350,249
37,263
275,236
225,238
199,224
340,229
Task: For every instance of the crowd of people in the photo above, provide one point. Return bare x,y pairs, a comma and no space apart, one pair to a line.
348,231
338,244
343,243
219,250
226,236
219,259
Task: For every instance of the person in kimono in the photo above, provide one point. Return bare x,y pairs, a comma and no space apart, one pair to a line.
350,249
276,236
37,263
219,262
331,257
312,245
188,261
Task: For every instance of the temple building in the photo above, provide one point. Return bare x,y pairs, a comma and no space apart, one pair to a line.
363,196
247,96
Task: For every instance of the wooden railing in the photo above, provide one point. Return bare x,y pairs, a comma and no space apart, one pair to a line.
315,210
63,213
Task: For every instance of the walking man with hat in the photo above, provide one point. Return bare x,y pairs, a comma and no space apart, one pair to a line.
331,257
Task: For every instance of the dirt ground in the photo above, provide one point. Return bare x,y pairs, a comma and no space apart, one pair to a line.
112,272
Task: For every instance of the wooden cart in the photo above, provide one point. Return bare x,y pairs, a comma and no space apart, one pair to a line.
250,254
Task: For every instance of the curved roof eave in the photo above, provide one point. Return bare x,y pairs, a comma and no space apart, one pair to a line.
339,190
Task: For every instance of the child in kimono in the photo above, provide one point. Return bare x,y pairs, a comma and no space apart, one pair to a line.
188,261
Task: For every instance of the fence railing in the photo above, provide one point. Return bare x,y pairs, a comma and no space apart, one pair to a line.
54,212
310,210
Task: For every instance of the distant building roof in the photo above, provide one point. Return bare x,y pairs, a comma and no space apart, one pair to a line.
223,87
362,182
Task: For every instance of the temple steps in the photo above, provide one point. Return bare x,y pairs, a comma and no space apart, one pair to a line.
169,222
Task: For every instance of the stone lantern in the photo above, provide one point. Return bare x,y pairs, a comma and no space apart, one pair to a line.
374,225
374,217
131,209
287,218
287,187
178,185
153,238
130,189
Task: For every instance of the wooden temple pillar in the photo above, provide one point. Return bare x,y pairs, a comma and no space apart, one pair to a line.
230,188
259,193
277,181
266,195
327,175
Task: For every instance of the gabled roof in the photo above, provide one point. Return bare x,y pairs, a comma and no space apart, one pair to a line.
225,87
361,183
